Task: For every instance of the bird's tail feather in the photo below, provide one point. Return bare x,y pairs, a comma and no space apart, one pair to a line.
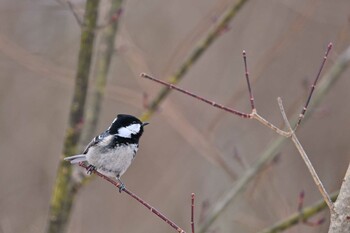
76,158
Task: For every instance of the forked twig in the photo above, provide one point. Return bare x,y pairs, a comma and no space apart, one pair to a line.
252,115
303,154
231,194
330,78
148,206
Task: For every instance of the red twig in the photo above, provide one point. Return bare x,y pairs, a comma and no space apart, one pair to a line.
248,82
148,206
171,86
192,212
302,114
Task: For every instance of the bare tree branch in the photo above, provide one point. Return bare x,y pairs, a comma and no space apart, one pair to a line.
306,159
137,198
269,154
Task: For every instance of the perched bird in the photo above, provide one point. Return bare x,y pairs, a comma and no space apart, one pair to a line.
112,152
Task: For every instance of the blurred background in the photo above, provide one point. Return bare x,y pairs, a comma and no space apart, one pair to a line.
285,42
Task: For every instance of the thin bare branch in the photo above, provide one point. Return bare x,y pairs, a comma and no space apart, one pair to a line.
330,78
172,86
192,212
137,198
265,122
302,114
306,159
252,115
248,81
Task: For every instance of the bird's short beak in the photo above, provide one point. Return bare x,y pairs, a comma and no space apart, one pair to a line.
145,123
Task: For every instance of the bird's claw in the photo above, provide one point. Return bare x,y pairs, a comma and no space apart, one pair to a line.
121,187
90,169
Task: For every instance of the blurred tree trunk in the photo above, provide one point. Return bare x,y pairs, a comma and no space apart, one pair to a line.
64,187
103,61
340,220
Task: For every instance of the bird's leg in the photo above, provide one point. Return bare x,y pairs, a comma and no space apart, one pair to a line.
90,169
121,184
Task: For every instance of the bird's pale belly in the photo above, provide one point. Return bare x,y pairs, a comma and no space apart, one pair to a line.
115,162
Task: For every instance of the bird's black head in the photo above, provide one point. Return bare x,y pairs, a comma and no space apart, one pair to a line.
127,126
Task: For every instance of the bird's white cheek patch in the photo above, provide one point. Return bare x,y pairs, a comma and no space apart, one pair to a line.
126,132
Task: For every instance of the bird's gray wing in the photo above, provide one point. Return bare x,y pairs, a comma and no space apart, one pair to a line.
94,141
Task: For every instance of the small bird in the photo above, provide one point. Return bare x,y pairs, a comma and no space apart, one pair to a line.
112,152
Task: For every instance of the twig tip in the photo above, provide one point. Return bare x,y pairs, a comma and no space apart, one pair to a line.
244,53
279,100
330,45
143,75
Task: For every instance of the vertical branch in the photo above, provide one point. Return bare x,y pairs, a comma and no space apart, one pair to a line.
64,188
103,61
192,212
248,81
